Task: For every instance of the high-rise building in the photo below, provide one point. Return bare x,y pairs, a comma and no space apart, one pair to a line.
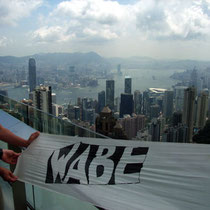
107,125
128,85
88,110
177,118
110,94
175,134
145,107
32,74
54,98
128,124
70,112
105,122
101,101
132,124
168,104
119,70
159,102
57,110
42,98
179,97
117,104
126,104
194,78
154,130
202,107
90,116
200,84
154,111
188,111
137,102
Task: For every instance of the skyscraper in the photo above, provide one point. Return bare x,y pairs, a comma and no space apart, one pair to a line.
132,124
101,101
154,111
42,98
188,111
175,134
177,118
119,70
110,94
137,102
128,84
54,98
202,107
168,104
179,97
32,74
154,130
145,102
126,104
194,78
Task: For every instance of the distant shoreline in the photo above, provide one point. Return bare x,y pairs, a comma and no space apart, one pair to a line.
4,84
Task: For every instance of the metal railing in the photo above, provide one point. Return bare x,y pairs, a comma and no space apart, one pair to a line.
46,123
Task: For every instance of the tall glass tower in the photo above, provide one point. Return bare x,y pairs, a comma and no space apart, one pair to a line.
168,104
128,84
101,101
126,104
32,74
188,111
110,94
137,102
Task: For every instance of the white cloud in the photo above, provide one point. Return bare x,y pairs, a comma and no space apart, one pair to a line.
102,33
51,34
173,19
89,20
4,41
103,12
13,10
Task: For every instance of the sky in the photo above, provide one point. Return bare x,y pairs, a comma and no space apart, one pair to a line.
162,29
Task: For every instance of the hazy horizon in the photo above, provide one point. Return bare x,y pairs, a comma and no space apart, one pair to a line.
119,28
110,57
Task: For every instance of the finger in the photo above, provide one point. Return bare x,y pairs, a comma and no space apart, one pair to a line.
34,135
16,155
12,160
12,177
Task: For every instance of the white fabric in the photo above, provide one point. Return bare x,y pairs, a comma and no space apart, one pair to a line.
173,176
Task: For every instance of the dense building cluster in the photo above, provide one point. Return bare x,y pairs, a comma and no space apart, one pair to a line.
156,114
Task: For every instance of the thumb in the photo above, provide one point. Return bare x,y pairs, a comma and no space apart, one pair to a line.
16,154
12,177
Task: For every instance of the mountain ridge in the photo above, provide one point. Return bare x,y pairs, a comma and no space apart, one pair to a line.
62,60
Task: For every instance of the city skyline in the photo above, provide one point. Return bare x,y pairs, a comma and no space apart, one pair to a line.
158,29
154,114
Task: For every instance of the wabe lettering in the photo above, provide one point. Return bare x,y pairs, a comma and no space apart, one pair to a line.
82,163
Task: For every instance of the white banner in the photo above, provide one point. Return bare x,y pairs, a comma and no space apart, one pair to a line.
120,174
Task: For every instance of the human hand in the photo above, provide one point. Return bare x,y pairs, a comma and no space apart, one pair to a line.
7,175
10,156
32,138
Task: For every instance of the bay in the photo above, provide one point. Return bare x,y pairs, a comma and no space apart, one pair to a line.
141,80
